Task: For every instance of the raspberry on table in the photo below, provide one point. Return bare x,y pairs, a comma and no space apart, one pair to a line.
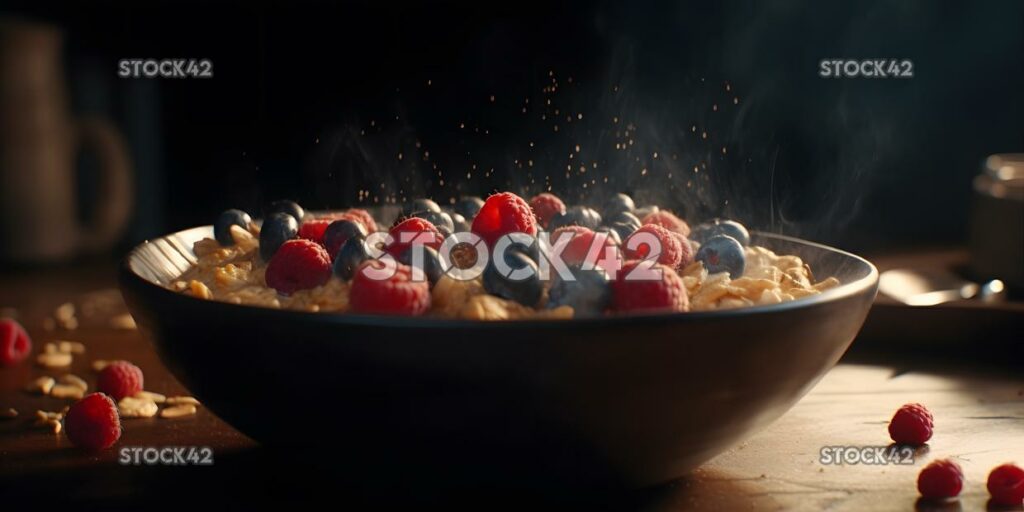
940,480
669,221
15,344
1006,485
398,294
93,422
671,250
414,225
912,425
314,230
501,214
298,264
545,206
634,291
120,379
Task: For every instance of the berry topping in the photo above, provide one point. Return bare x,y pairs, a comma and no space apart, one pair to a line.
339,232
119,379
15,344
666,244
397,294
314,230
222,227
703,232
638,289
501,214
93,422
468,207
460,224
578,216
351,255
1006,485
940,480
421,229
431,265
579,247
276,230
298,265
520,283
545,206
362,216
419,205
619,203
441,220
722,254
284,206
912,425
589,293
669,221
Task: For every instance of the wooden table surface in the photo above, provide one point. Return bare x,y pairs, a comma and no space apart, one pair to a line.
979,417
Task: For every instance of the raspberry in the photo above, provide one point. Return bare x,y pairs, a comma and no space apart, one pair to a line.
940,479
671,253
93,423
501,214
362,216
579,246
1006,485
298,265
15,344
633,292
119,379
669,221
314,230
396,295
413,225
912,424
545,206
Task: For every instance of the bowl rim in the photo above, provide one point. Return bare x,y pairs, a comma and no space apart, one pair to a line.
843,291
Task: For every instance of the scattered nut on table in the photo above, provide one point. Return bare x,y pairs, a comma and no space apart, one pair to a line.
181,400
67,391
178,411
131,407
70,347
149,395
56,360
74,380
99,364
42,385
8,413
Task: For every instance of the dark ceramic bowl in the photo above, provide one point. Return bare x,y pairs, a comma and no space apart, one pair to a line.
620,400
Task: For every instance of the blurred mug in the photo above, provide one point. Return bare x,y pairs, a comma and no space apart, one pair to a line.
39,143
997,221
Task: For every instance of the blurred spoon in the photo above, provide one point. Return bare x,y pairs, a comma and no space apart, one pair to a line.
928,288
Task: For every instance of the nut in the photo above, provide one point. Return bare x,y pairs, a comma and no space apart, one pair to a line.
70,347
131,407
74,380
149,395
51,348
9,413
67,391
123,322
42,385
55,425
181,400
56,360
42,417
64,312
178,411
99,364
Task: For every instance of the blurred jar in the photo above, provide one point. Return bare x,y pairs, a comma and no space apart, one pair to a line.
997,220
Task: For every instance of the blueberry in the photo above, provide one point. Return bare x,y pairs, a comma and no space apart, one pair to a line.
525,291
442,221
623,230
623,217
432,266
339,231
276,230
612,234
531,250
222,227
351,255
617,204
468,207
721,227
285,206
460,224
419,205
577,215
589,293
722,253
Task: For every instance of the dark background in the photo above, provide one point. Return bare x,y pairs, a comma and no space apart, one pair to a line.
316,100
